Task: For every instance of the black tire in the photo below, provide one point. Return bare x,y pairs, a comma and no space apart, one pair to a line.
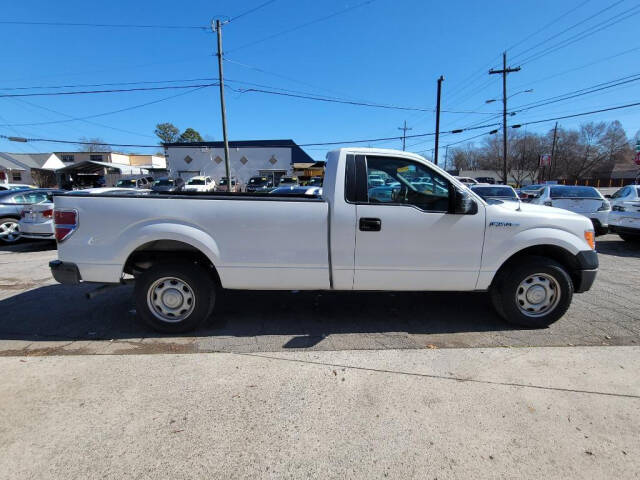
505,289
5,240
598,229
630,238
191,284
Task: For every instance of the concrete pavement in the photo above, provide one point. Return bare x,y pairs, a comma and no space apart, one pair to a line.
455,413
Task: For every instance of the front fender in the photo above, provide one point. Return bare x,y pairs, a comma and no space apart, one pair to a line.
496,253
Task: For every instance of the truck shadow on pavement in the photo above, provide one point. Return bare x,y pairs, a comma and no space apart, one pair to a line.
618,248
59,312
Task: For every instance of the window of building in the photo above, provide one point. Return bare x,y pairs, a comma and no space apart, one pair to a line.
401,181
95,158
67,158
16,176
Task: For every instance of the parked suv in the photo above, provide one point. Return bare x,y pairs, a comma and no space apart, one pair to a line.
168,185
260,184
223,186
134,182
200,184
586,201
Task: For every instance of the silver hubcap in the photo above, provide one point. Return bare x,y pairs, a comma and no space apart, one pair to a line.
171,299
537,295
9,231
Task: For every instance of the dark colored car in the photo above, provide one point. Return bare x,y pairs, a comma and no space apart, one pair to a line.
315,182
489,180
167,185
495,192
260,184
297,190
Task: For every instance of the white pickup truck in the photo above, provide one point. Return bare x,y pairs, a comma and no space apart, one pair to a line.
427,232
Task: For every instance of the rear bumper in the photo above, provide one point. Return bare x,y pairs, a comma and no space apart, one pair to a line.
587,270
65,272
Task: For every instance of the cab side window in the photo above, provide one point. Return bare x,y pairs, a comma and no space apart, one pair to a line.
404,182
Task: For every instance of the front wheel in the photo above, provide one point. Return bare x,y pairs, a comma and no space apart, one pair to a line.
535,293
9,230
175,297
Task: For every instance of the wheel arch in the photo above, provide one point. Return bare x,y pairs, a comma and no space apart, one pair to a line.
150,253
559,254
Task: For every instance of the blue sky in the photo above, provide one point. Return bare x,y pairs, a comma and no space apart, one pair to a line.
388,52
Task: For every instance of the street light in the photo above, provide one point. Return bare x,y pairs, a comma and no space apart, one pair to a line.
530,90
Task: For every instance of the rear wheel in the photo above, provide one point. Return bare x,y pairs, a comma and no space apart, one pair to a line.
535,293
9,230
175,297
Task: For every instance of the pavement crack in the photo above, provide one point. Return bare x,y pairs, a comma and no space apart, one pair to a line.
445,377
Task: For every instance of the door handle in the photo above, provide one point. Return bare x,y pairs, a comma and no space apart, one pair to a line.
370,224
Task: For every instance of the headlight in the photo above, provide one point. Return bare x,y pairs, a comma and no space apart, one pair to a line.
605,206
619,208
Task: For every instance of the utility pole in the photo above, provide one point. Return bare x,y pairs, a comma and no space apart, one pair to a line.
217,27
440,80
504,73
553,148
404,134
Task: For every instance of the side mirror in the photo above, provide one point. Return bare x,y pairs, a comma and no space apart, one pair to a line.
607,196
464,204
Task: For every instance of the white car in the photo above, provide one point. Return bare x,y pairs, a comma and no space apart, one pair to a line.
200,184
624,218
15,186
36,222
182,250
586,201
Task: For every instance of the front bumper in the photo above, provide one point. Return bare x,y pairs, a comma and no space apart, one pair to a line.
587,270
65,272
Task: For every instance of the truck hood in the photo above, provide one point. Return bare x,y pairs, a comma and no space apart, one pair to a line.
525,216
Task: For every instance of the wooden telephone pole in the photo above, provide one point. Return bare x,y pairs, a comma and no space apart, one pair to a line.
217,27
504,72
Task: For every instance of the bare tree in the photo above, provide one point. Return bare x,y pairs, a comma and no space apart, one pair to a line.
93,145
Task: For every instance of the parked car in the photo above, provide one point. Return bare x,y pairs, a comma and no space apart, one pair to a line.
15,186
624,218
168,185
496,192
489,180
259,185
297,190
36,221
467,180
315,182
528,192
134,182
200,184
12,203
586,201
223,185
531,259
288,181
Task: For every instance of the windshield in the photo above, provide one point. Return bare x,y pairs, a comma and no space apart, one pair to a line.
495,192
164,182
285,181
532,187
224,182
126,183
574,192
258,181
196,181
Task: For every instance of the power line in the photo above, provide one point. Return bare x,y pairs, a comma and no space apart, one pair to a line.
548,39
116,90
126,109
250,11
609,109
553,22
579,93
298,27
105,25
582,35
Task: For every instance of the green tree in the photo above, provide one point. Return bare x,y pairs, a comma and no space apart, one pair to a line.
167,132
190,135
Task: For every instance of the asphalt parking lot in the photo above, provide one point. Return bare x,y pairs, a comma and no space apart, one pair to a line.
41,317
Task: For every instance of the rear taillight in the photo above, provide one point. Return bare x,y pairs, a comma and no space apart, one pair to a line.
66,222
47,213
23,213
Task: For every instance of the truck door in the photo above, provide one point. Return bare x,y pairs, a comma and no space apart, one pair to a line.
407,237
